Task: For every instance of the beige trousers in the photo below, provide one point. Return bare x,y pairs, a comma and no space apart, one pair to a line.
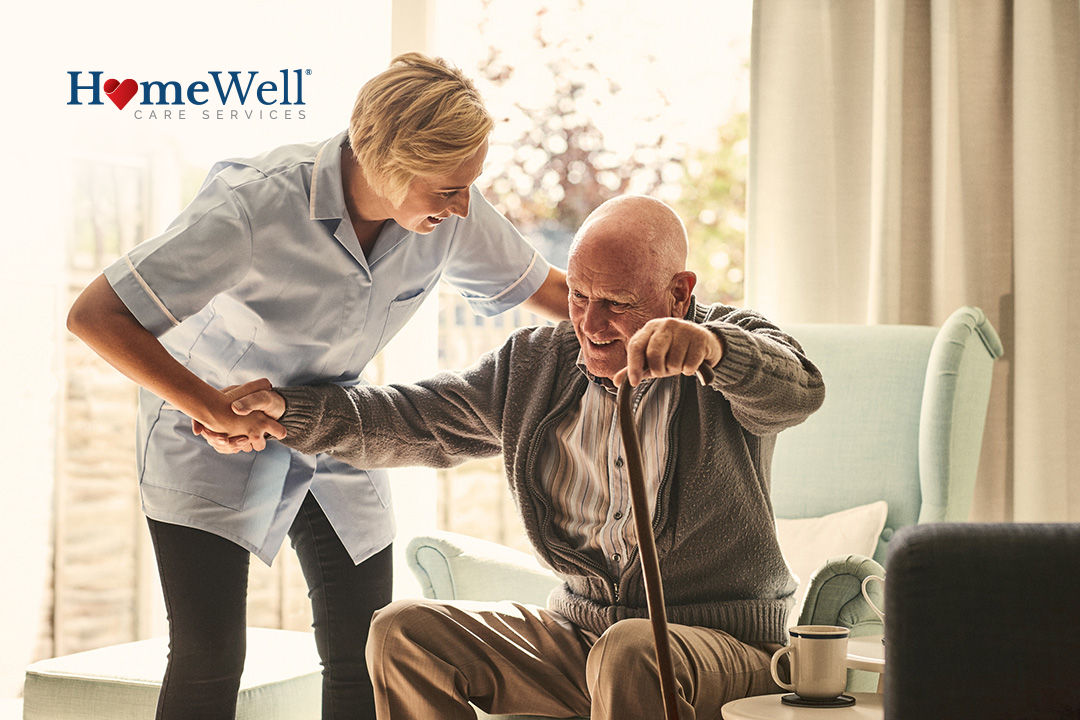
430,659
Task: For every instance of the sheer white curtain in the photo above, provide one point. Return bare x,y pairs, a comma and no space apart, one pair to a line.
911,156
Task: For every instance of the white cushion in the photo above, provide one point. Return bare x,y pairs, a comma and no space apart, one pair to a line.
282,679
808,542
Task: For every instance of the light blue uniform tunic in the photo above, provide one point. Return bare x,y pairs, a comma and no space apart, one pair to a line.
262,276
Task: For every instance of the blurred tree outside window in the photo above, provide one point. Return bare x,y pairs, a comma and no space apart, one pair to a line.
593,100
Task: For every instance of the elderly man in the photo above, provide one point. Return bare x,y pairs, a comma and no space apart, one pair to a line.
545,399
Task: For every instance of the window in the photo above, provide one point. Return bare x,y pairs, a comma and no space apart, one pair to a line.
593,99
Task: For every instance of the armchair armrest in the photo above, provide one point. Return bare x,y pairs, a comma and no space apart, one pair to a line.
835,595
835,598
451,566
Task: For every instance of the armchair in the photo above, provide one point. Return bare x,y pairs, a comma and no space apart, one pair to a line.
902,422
982,622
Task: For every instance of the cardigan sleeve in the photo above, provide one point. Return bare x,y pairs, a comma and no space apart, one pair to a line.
764,374
439,422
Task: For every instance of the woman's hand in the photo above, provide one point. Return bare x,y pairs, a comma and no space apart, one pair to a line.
242,426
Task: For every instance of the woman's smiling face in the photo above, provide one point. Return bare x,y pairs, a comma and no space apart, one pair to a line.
433,198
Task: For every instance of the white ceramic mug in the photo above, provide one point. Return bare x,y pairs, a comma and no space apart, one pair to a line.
866,595
818,658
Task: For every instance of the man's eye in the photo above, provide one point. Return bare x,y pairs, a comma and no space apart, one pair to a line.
446,195
618,305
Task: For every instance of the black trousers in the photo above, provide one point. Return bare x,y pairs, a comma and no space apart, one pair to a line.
204,581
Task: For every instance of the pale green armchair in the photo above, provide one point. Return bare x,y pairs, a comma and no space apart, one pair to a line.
902,422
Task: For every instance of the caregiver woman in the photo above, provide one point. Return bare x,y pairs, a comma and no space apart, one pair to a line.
297,265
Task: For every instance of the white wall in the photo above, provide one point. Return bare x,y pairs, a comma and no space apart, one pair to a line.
342,43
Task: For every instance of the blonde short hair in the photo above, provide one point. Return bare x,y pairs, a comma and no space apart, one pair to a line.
420,116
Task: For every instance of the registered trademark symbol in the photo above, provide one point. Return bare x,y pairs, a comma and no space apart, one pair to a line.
308,71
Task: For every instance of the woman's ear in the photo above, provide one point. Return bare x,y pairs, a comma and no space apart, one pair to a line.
682,286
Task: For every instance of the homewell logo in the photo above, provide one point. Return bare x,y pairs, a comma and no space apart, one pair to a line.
222,95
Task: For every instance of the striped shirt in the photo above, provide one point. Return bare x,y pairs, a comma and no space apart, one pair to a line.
583,467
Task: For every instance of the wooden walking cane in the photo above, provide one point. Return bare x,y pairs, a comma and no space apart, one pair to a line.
650,565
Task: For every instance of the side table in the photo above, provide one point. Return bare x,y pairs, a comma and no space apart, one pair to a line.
866,653
868,706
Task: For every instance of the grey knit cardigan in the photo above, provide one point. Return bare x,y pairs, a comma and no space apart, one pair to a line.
715,536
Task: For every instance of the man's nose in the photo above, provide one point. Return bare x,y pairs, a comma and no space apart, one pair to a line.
596,317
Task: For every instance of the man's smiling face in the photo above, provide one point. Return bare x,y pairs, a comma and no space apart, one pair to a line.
612,295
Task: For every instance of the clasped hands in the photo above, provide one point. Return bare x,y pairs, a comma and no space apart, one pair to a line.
255,408
661,348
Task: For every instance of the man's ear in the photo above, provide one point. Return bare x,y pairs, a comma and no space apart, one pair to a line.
682,286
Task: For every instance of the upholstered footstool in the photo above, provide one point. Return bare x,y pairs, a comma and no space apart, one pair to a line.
282,679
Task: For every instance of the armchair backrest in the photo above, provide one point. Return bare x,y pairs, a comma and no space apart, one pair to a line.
902,421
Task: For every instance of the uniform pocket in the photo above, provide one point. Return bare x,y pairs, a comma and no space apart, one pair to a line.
399,312
362,488
177,459
219,348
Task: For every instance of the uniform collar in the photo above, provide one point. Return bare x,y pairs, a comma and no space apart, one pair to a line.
327,194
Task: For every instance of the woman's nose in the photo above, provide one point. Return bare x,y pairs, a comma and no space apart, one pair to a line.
460,206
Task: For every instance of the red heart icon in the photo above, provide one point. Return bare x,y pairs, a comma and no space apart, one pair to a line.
120,92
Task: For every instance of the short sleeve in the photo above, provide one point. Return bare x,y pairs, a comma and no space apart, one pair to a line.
205,251
490,263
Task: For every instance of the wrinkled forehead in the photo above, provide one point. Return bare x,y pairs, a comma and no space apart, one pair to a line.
612,267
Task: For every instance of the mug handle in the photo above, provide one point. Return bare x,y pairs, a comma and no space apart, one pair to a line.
866,596
772,667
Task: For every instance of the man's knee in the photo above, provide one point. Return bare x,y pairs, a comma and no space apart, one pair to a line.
388,628
624,652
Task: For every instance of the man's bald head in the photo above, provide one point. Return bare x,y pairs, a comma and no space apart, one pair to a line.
636,228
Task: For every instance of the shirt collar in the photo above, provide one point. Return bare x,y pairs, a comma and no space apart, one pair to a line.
606,383
327,194
602,382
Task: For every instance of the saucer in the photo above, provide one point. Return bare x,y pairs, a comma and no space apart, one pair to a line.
836,702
